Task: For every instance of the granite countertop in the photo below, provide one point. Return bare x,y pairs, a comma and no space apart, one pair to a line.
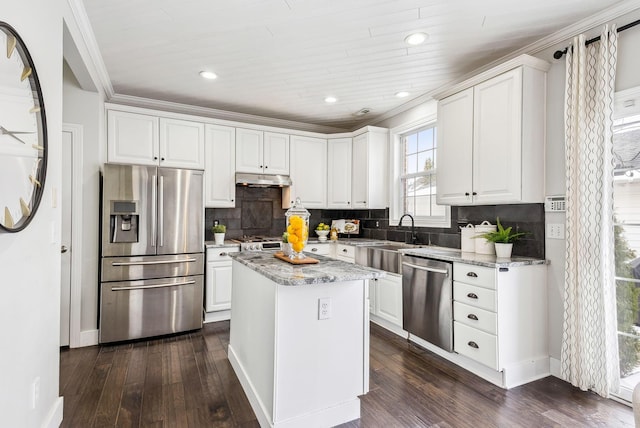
281,272
455,255
227,244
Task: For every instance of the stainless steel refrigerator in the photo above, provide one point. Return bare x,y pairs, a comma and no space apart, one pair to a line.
152,251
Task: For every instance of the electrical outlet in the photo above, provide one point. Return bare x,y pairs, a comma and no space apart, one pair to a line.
35,392
324,308
555,231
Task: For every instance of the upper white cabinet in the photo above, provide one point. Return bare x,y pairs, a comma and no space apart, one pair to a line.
369,176
339,173
149,140
220,155
491,137
262,152
309,171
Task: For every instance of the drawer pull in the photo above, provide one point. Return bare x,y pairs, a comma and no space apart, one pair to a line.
472,317
223,254
472,295
473,345
472,274
314,249
344,250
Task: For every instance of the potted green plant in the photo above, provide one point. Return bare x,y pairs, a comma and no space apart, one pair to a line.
218,233
285,246
503,239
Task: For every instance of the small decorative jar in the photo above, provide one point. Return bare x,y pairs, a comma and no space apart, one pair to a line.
297,228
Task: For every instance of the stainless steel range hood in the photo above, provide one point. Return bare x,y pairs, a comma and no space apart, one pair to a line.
263,180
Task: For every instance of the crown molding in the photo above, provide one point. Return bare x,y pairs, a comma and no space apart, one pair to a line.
237,118
82,23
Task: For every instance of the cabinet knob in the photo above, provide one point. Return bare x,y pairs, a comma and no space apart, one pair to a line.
260,166
155,158
472,317
472,296
474,193
231,200
473,344
266,166
472,274
344,250
348,202
162,159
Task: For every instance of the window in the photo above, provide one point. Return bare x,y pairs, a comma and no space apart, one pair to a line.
414,189
626,196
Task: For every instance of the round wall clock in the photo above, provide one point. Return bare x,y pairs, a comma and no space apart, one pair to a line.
23,134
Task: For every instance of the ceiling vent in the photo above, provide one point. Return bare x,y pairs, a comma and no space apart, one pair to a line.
362,111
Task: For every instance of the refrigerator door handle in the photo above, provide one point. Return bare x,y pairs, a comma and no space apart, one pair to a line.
143,287
162,262
161,212
154,200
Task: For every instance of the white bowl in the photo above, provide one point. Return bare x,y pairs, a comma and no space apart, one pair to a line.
322,234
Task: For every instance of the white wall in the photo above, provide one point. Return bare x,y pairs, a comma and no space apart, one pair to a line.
30,260
87,109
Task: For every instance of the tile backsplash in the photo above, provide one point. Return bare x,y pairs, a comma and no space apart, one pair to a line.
259,212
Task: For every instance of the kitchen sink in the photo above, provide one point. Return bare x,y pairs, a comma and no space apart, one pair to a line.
384,256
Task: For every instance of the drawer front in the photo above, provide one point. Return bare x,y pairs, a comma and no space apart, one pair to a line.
475,344
475,296
475,317
477,275
220,254
346,251
322,249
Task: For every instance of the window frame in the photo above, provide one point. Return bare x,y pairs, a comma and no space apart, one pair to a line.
396,171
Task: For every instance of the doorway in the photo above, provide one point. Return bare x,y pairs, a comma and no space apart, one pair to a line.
71,242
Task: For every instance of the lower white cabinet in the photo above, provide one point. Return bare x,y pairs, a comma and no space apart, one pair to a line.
500,320
346,253
324,249
218,279
387,300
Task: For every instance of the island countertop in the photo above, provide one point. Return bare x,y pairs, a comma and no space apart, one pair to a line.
326,271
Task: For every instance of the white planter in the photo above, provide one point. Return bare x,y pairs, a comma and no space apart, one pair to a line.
503,251
219,238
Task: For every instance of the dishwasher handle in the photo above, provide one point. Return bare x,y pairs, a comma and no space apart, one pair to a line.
426,268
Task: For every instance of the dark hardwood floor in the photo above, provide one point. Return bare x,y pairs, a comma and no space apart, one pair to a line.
187,381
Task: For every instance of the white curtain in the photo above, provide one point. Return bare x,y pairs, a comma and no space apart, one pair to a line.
590,348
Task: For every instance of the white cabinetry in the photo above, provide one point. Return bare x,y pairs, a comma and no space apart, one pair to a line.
500,319
346,253
388,299
491,137
309,171
220,155
323,249
369,177
135,138
339,173
262,152
218,277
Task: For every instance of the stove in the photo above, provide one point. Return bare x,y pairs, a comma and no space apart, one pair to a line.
258,243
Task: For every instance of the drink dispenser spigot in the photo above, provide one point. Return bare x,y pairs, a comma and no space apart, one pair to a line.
124,221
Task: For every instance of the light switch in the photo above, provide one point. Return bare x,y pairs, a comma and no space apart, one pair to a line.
555,231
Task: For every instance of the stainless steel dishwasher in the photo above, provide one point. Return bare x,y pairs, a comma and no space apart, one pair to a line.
427,299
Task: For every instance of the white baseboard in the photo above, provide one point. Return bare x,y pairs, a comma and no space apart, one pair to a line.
388,325
54,418
217,316
554,368
88,338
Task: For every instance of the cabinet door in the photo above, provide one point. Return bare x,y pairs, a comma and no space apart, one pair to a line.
132,138
276,153
339,173
249,151
181,144
455,142
220,163
497,139
389,299
360,172
309,171
218,288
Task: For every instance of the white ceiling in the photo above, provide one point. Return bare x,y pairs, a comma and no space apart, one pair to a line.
280,58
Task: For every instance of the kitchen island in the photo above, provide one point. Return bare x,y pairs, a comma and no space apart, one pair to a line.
299,339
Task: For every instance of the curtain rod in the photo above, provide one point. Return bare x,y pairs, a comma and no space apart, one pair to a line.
559,54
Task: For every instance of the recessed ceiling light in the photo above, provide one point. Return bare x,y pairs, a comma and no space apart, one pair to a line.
416,38
330,99
208,75
402,94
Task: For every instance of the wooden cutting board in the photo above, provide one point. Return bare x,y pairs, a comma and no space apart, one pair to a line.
306,261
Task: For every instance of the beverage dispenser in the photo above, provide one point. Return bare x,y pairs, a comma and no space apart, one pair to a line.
124,218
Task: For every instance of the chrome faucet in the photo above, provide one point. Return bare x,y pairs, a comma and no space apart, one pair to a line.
414,238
